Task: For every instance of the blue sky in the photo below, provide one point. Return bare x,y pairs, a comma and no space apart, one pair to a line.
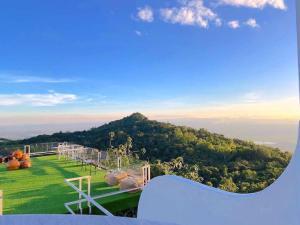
93,59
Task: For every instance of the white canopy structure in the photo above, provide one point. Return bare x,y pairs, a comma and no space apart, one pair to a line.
178,200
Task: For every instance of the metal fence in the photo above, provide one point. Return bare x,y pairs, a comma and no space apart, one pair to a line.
34,149
43,148
8,149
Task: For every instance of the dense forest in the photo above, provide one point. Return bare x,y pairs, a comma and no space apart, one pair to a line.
212,159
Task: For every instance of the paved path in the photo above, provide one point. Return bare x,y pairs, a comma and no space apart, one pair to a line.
72,220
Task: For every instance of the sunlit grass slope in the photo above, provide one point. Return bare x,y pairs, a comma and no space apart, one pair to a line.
41,189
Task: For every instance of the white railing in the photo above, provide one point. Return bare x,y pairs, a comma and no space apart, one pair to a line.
85,155
87,197
40,149
91,200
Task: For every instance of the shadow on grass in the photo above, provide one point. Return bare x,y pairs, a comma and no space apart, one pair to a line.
37,169
63,171
101,187
48,200
60,166
5,181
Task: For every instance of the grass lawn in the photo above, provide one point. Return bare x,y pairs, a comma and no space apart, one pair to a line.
41,189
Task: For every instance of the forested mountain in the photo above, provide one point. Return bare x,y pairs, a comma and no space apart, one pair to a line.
230,164
4,140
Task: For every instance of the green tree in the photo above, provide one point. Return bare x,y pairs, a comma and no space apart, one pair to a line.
128,145
227,184
111,136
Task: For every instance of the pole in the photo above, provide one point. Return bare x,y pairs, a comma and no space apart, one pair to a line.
1,203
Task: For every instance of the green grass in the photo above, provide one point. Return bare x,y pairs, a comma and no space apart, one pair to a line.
41,189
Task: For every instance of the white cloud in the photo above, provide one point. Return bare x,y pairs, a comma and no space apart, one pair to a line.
146,14
190,12
252,23
234,24
138,33
49,99
196,13
218,22
260,4
31,79
251,97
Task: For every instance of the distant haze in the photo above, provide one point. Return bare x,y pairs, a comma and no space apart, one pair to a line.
274,133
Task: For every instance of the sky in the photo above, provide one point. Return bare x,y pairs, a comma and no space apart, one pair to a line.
85,61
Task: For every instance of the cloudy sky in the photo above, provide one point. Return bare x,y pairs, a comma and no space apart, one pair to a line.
91,60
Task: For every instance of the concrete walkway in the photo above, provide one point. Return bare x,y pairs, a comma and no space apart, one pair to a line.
73,220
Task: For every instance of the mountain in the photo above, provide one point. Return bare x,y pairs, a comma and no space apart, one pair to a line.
231,164
4,140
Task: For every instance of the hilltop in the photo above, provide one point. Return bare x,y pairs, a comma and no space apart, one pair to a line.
231,164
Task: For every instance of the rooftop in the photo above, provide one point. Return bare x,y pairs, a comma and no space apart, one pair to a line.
41,188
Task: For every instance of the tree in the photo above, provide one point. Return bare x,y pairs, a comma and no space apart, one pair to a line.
111,136
143,151
227,184
128,144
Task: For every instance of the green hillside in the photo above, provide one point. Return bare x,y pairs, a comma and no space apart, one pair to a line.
231,164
